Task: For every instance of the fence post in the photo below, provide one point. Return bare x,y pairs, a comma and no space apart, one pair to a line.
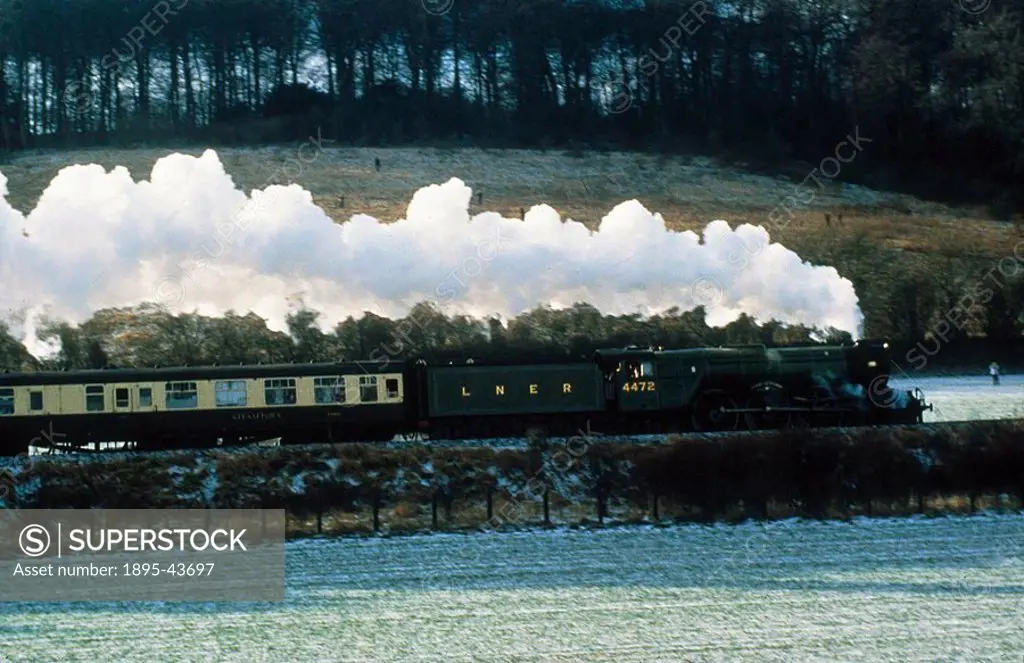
490,504
433,510
600,506
376,510
654,507
547,510
319,522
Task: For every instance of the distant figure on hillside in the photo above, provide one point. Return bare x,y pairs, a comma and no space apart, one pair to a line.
993,370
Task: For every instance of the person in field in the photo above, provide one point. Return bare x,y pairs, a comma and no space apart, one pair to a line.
993,370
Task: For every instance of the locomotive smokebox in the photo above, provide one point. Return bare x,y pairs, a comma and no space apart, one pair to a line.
868,360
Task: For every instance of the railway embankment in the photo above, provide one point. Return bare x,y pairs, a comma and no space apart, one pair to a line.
587,480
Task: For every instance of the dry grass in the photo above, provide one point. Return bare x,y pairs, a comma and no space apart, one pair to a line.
584,186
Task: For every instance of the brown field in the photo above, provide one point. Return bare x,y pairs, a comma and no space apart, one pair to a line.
584,186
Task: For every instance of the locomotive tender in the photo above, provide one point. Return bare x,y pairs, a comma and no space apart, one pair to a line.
630,390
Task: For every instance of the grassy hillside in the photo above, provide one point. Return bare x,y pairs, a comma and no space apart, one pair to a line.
884,238
584,186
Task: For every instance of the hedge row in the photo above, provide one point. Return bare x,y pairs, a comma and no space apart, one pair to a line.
813,472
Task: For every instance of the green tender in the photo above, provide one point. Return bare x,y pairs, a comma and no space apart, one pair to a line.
459,391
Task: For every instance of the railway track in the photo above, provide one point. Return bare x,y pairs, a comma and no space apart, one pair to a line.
664,438
523,443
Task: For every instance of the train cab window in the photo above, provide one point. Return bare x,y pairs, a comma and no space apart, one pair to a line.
145,397
6,401
329,390
230,393
279,391
121,397
35,401
638,369
181,395
368,388
94,399
391,387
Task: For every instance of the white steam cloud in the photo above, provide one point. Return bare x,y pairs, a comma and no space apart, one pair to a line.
189,239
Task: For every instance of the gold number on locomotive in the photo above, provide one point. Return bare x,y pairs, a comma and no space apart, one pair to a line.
642,385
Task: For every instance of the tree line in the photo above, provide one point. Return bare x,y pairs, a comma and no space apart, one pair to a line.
148,335
938,85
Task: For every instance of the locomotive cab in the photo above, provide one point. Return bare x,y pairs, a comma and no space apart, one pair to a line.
631,378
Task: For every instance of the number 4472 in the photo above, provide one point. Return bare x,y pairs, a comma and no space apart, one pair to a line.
640,385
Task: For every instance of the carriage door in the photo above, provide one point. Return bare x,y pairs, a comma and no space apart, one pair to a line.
123,398
637,385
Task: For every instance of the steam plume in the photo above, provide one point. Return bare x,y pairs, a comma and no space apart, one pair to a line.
189,239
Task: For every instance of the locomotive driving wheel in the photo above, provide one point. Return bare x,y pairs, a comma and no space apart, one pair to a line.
828,411
767,396
709,412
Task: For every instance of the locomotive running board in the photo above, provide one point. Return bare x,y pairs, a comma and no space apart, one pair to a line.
741,410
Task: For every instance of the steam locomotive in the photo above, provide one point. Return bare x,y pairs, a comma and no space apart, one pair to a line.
625,391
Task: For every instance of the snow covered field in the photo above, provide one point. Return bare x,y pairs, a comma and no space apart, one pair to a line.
963,398
944,589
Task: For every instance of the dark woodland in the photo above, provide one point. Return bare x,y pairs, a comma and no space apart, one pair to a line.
937,84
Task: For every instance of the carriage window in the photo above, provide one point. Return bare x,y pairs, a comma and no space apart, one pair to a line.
35,401
94,399
181,395
145,397
279,391
368,388
391,385
329,390
230,393
646,369
121,397
6,401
